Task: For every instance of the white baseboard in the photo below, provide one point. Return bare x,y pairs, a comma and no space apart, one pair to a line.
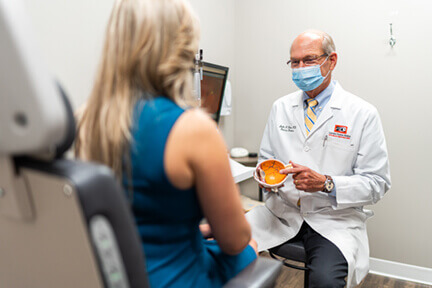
401,271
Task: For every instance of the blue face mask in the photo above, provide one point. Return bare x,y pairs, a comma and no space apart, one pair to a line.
308,78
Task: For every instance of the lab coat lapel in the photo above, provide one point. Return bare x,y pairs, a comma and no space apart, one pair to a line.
326,114
298,112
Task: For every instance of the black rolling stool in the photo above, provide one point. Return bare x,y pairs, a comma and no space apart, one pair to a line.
292,251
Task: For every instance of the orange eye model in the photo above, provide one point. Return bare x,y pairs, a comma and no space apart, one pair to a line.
271,169
268,176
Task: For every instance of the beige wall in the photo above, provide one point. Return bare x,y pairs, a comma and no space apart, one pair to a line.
252,37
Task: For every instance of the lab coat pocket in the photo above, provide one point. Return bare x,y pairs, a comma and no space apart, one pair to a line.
343,144
338,156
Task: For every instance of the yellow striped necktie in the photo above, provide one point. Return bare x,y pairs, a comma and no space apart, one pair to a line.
310,117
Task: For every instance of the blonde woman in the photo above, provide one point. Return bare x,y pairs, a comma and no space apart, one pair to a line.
171,161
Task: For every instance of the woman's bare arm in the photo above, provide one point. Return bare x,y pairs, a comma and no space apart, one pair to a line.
196,155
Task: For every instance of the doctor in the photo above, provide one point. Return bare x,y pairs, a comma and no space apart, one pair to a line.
337,147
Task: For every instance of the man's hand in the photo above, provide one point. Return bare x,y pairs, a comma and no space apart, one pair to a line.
304,178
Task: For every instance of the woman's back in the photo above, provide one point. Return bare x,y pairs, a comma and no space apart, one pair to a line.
167,217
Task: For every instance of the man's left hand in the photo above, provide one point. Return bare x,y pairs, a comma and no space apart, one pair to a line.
304,178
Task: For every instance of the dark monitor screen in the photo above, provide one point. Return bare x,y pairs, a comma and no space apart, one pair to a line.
212,88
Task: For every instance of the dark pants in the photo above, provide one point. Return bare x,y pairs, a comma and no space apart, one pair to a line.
327,265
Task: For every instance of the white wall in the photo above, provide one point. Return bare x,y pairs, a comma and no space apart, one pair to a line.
70,36
253,37
218,43
395,80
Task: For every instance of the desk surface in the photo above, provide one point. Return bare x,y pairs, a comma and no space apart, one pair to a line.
239,171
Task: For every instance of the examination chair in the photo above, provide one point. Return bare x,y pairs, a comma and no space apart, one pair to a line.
63,223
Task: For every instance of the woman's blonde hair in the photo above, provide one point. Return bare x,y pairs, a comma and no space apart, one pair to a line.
149,51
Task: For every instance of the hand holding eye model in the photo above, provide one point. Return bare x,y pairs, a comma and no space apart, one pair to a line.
268,176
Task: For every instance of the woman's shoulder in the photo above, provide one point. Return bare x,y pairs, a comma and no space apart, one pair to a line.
197,122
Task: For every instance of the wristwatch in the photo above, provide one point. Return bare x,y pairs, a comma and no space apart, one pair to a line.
328,184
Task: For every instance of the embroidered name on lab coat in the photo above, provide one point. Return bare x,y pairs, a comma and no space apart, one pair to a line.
339,135
287,128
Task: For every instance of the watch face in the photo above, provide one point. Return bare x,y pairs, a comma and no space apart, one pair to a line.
329,185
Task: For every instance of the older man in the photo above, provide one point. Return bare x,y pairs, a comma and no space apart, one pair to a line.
337,147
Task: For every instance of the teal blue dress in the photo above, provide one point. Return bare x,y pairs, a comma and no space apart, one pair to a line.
168,218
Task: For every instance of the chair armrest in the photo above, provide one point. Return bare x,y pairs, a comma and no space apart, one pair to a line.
261,273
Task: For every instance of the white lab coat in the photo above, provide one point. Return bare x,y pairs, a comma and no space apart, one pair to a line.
356,159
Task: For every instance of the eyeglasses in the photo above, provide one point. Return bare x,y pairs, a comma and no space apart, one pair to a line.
307,61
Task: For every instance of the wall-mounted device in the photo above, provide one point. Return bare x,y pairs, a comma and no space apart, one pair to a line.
392,40
198,73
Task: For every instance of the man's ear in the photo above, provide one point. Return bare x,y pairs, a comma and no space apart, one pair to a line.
333,60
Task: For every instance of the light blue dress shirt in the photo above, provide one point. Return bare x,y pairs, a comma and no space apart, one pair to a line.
323,98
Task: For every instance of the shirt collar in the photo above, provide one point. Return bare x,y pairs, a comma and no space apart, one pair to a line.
324,95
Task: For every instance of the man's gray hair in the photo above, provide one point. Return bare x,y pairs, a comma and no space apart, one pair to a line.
328,45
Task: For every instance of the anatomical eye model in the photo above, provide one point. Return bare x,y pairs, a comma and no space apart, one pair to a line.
267,174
